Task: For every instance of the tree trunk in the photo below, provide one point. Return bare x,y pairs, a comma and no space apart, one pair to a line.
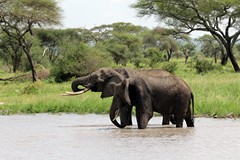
26,49
16,62
169,55
232,58
185,52
186,59
215,57
224,58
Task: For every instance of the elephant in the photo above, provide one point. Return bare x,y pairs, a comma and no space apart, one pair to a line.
166,95
105,79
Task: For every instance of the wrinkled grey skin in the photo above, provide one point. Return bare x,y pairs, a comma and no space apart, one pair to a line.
167,95
104,80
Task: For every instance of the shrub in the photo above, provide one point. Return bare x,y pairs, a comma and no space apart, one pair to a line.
154,55
77,60
170,66
31,89
203,66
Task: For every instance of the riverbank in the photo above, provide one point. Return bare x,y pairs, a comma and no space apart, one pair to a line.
216,95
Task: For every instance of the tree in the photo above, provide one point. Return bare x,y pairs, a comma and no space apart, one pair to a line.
18,18
49,40
188,49
209,46
124,43
169,45
162,38
77,59
10,51
154,55
221,18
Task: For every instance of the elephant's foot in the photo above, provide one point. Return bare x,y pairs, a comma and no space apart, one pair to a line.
189,123
172,119
165,120
165,123
179,125
130,122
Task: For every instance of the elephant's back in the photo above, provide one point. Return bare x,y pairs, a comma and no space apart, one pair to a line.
155,73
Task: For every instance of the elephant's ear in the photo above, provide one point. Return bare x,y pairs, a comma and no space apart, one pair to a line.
126,97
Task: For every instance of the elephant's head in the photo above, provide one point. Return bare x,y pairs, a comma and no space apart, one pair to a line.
102,80
121,104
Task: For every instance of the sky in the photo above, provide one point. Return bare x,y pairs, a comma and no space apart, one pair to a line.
90,13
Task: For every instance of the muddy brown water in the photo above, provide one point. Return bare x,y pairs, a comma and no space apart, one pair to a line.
90,137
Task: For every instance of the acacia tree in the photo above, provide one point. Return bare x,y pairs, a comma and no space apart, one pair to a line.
209,46
169,45
221,18
11,51
188,49
124,42
18,18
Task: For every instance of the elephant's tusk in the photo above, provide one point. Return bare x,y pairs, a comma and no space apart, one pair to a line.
116,114
75,93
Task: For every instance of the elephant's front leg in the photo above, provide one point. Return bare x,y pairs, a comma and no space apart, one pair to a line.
130,117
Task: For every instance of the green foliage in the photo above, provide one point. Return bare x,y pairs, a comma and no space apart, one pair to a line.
203,66
77,60
18,18
154,55
30,89
170,66
10,51
119,53
124,47
199,15
33,88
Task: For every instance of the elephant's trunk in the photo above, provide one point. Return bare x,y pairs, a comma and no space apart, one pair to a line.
114,113
83,81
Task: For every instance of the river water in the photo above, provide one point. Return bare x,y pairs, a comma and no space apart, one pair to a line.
94,137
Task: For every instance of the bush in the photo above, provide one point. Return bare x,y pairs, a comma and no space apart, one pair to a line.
77,60
203,66
154,55
170,66
33,88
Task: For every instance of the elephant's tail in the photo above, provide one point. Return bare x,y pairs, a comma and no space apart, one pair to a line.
192,98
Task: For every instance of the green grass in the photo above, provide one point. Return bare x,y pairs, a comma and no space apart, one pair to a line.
216,94
46,97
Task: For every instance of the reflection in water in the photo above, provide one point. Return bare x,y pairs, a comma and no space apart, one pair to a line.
74,137
152,132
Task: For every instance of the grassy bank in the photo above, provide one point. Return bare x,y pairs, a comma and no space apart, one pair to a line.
43,97
216,94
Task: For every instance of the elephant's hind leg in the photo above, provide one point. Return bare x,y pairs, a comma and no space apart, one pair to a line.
189,122
179,120
166,119
172,119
